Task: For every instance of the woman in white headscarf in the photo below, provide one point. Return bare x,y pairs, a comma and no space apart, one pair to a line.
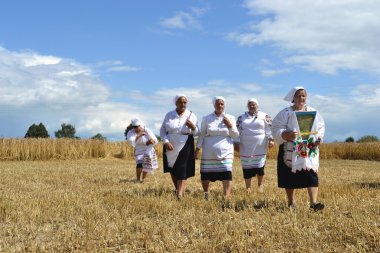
177,131
216,141
298,160
143,140
255,136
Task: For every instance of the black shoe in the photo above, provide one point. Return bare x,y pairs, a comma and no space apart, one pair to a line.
317,206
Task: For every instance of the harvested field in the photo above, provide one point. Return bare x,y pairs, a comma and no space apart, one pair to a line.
94,205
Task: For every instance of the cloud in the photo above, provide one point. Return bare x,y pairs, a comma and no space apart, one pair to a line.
184,20
116,66
368,95
38,88
324,36
123,69
65,91
273,72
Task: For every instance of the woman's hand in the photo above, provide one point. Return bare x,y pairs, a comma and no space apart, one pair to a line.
168,146
196,153
150,141
190,124
227,122
289,135
236,147
318,141
270,143
140,134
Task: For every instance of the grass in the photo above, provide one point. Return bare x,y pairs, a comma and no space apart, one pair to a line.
94,205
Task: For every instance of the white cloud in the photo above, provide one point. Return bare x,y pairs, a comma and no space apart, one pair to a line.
48,81
184,20
123,69
368,95
251,87
323,36
37,88
68,92
116,66
273,72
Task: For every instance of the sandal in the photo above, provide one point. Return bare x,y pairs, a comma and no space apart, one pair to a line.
317,206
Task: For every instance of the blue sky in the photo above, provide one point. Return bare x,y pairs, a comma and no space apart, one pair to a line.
97,64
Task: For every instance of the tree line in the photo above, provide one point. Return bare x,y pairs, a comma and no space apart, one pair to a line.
364,139
66,131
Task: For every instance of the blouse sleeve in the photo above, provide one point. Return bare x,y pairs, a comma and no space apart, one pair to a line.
131,138
268,124
202,133
239,128
163,133
152,136
194,120
321,126
233,131
279,125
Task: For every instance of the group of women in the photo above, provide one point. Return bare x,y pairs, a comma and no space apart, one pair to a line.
220,134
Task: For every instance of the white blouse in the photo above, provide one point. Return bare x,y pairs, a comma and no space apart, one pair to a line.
298,154
282,122
175,124
258,124
213,125
140,144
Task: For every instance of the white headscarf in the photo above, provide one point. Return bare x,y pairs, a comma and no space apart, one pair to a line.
136,122
253,100
217,98
178,96
290,96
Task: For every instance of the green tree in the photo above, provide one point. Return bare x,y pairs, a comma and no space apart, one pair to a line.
350,139
368,138
99,136
37,131
66,131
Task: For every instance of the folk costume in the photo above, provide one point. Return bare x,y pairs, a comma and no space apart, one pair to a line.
298,160
179,161
254,133
217,143
145,156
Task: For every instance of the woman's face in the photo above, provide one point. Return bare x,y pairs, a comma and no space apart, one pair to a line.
138,129
252,107
300,98
219,106
181,104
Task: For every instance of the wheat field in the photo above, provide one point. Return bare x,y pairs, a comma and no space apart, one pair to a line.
68,149
94,205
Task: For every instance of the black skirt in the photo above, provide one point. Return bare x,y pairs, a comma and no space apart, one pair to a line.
184,166
216,176
288,179
249,173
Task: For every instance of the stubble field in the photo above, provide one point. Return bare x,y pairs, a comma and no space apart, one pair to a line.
94,205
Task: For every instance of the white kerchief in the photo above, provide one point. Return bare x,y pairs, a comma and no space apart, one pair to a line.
178,96
217,98
253,100
136,122
290,96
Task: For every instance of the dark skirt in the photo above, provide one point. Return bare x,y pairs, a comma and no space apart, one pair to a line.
249,173
184,166
289,180
139,166
216,176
